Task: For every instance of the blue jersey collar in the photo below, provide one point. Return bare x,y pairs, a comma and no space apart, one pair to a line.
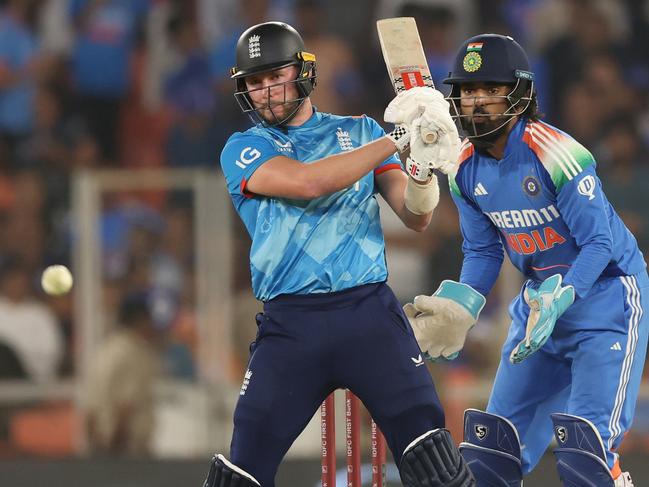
515,135
313,120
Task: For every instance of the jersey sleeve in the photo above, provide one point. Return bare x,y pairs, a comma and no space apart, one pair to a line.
580,201
242,155
482,249
392,162
582,205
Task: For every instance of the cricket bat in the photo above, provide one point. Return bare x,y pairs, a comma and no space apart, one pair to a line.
404,57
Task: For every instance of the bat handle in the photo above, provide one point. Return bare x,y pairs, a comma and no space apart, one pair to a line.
428,135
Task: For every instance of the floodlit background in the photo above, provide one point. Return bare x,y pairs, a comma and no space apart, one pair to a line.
113,114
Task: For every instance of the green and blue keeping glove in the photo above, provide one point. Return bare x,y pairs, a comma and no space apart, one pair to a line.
442,321
547,304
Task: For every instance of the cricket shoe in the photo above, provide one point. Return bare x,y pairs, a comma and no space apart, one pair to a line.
624,480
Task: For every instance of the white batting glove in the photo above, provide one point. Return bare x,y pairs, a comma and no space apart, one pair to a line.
443,153
419,172
410,104
400,136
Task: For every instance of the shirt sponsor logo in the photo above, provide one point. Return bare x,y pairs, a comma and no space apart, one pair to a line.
537,240
247,157
586,187
523,218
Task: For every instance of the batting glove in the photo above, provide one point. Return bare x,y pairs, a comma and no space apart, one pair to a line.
410,104
443,153
400,136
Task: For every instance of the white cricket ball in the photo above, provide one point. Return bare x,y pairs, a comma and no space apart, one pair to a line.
56,280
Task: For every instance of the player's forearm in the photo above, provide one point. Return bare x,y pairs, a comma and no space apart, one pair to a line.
588,266
418,223
480,269
333,173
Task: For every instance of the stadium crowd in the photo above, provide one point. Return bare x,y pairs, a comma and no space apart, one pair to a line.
87,84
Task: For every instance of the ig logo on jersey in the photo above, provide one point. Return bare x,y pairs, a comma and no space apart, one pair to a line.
481,431
247,156
586,187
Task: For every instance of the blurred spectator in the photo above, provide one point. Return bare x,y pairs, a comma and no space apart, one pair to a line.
590,31
20,69
28,327
194,138
22,231
581,114
437,27
222,58
48,144
11,368
119,393
106,35
122,213
622,156
339,85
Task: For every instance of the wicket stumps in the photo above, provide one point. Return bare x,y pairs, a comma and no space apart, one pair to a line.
352,444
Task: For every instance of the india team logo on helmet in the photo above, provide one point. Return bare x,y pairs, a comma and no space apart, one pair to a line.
472,60
498,60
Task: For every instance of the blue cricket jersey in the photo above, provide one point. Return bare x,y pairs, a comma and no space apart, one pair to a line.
309,246
543,203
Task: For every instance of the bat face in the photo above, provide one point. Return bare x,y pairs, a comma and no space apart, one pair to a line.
404,58
403,53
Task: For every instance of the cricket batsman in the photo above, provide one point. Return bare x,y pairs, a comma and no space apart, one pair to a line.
572,362
305,184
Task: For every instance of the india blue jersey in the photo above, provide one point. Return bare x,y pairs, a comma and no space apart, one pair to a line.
543,203
309,246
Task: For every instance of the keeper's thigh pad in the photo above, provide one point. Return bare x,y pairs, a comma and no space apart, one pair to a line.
491,449
581,457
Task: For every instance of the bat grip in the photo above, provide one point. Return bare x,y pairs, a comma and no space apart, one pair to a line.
428,135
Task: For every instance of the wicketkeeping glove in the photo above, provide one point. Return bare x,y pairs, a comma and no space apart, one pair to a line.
547,304
442,321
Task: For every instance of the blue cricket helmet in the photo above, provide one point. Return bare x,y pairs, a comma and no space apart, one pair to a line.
490,58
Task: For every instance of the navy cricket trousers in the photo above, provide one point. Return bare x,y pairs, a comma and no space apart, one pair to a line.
310,345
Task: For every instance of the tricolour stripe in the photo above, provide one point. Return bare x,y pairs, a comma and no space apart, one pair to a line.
552,139
569,172
633,300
